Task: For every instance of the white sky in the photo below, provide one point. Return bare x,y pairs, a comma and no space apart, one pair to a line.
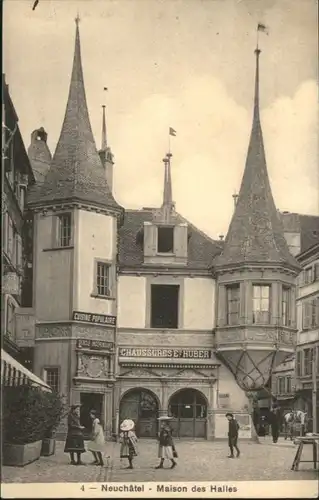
188,64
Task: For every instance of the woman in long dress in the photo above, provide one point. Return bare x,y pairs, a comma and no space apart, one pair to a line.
166,448
74,440
128,441
97,443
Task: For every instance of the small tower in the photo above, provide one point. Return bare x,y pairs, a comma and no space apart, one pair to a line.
76,219
106,155
39,154
166,237
256,275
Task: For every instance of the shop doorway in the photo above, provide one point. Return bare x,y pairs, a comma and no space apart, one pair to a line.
141,406
189,409
90,401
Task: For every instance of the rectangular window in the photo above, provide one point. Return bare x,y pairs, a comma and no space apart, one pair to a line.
307,361
261,304
102,279
299,363
281,385
308,275
165,239
316,272
164,306
288,385
64,230
233,298
285,306
52,378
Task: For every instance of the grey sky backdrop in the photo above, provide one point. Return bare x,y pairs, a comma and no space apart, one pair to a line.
188,64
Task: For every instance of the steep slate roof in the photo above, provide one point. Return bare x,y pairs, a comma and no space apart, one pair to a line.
309,231
76,172
256,232
201,248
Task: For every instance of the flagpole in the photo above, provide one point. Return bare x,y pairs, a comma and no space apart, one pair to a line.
257,37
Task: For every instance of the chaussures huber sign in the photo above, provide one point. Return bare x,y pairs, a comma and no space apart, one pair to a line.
127,352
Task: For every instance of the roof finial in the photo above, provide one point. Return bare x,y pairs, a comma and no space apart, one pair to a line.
167,193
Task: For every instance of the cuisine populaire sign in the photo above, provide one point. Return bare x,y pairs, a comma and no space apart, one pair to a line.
97,319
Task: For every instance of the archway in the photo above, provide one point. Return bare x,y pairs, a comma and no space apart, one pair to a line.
141,405
189,409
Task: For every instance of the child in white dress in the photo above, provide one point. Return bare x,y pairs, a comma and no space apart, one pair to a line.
97,443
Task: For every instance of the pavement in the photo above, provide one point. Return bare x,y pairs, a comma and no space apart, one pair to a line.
198,461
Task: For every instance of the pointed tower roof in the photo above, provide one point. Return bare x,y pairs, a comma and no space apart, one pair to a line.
76,172
255,235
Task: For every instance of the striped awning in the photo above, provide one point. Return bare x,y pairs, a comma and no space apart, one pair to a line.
14,373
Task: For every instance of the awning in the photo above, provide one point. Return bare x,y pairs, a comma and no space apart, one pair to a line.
13,363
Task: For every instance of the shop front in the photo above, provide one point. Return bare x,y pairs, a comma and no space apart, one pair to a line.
179,382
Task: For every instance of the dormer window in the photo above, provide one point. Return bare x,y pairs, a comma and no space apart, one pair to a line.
165,239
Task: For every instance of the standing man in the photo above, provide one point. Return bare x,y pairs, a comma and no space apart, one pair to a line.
233,428
274,423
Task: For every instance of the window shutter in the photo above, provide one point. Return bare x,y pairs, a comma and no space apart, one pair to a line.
180,241
298,363
150,239
222,305
19,251
316,272
316,312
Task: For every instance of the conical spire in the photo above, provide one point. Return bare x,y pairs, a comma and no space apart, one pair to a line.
76,172
256,233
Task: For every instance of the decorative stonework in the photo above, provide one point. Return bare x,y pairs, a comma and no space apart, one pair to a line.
92,366
55,330
140,373
92,332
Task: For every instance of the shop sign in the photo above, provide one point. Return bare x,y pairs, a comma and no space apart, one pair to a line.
128,352
97,345
98,319
11,284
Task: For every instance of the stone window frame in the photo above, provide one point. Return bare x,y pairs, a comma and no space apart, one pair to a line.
165,280
56,221
45,370
108,264
262,285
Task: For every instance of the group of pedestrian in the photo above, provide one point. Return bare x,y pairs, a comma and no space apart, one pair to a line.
74,444
75,439
166,447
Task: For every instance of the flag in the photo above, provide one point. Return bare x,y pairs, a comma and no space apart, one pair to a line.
263,28
35,4
172,132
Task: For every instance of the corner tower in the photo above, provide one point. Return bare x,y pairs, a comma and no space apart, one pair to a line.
76,220
256,274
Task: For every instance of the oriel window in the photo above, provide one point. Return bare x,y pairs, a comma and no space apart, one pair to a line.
286,319
64,230
261,304
233,299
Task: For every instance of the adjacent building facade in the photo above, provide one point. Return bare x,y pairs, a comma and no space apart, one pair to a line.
137,313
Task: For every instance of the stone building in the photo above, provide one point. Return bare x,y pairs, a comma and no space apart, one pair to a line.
17,175
137,312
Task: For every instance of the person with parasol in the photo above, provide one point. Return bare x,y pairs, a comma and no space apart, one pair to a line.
128,441
166,448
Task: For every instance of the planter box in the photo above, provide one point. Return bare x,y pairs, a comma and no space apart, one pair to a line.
20,455
48,447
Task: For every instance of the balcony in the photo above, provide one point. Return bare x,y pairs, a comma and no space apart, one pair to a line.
255,334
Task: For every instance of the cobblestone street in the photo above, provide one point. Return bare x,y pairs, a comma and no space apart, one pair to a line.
198,461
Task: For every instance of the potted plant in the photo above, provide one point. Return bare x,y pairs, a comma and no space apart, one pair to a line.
24,424
54,413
